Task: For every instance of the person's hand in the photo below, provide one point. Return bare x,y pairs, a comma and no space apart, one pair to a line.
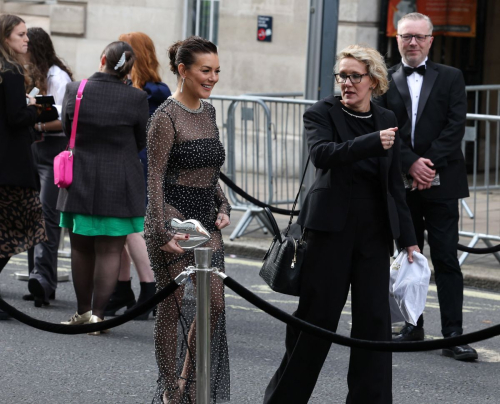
387,137
410,250
420,185
173,246
422,172
222,221
31,100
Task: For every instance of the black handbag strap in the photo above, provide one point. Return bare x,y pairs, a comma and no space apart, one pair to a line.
297,197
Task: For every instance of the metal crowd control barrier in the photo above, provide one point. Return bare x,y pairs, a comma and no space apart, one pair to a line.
263,140
480,216
478,222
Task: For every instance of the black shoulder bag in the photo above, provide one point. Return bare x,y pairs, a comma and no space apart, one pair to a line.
283,261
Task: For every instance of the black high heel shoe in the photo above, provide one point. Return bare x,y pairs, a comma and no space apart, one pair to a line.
38,292
189,390
123,296
148,290
30,298
171,394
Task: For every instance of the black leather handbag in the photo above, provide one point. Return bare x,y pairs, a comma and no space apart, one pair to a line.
283,261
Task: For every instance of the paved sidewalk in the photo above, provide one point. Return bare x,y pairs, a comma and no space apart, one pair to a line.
481,271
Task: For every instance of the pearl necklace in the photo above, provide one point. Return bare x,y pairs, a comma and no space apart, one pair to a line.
193,111
357,116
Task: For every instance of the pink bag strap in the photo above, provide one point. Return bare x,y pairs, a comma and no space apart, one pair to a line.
79,96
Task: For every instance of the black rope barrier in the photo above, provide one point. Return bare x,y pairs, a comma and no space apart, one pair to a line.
280,211
250,198
488,250
86,328
385,346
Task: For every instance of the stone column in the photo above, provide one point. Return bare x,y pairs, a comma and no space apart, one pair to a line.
358,23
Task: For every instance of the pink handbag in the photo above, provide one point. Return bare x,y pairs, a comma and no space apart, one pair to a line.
63,162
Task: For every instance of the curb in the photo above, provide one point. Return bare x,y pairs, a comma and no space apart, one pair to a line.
244,250
247,250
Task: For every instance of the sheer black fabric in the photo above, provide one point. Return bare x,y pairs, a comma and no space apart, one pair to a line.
184,159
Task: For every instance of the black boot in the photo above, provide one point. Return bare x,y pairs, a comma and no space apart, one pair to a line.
148,290
122,296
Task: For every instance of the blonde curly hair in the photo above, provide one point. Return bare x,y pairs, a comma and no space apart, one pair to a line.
375,65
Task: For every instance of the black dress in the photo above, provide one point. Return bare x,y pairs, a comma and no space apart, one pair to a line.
184,159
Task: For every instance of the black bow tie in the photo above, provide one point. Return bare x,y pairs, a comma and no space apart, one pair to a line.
409,70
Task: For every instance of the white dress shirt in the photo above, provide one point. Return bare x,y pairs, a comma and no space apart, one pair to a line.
414,81
56,86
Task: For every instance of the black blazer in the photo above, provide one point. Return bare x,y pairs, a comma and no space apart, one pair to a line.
16,159
333,150
439,128
108,178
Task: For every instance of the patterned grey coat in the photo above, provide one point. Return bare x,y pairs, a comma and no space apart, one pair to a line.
108,177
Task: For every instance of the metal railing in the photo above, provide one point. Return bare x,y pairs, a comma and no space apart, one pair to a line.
480,216
263,139
486,100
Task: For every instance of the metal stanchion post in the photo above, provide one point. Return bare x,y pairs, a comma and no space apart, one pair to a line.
203,260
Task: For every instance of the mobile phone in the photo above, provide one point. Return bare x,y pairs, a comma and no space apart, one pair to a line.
45,100
32,93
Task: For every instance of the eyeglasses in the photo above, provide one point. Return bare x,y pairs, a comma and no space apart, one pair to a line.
409,37
355,78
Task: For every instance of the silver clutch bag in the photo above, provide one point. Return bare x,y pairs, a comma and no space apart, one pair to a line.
198,235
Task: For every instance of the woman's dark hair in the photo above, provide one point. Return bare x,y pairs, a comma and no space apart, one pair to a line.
43,57
114,52
185,52
8,59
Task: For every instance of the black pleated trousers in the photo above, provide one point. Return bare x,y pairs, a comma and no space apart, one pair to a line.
357,257
440,218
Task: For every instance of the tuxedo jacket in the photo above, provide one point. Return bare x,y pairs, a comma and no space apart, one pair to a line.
333,151
439,126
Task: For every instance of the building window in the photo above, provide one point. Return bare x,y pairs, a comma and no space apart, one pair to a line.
202,19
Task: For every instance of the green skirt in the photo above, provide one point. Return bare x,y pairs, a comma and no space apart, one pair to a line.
88,225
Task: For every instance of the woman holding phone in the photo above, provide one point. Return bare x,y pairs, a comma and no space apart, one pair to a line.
50,75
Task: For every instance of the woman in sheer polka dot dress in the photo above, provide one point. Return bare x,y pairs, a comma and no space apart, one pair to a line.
184,157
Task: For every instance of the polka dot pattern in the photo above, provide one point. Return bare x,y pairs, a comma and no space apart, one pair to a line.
184,159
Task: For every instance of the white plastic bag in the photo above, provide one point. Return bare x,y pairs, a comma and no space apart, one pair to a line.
409,284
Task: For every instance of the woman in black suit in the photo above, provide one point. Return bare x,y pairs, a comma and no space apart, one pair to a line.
21,219
105,202
352,213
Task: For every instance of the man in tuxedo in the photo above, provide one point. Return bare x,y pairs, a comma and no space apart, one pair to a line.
430,104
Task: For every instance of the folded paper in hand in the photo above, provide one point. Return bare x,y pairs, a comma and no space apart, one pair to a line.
409,284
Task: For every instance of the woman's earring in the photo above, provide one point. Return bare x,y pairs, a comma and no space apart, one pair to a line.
182,84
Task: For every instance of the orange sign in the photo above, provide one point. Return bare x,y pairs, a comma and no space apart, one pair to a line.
451,18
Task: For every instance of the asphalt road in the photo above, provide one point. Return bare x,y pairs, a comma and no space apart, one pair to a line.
119,367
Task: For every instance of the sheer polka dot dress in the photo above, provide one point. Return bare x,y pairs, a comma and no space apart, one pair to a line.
184,159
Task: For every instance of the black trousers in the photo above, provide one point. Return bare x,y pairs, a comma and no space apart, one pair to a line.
356,257
42,259
440,218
